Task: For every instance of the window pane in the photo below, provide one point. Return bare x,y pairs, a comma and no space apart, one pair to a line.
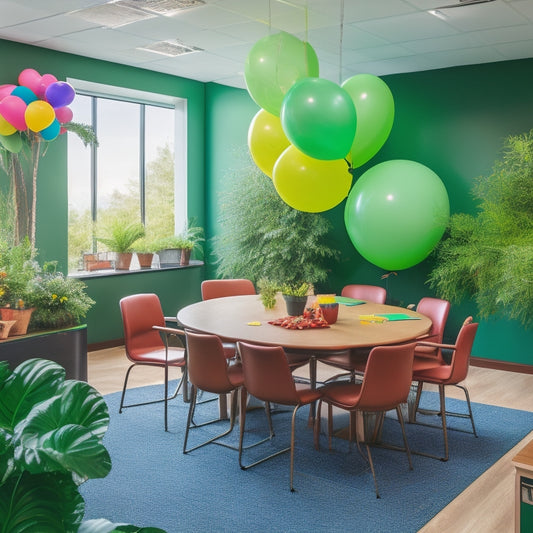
159,146
117,168
79,186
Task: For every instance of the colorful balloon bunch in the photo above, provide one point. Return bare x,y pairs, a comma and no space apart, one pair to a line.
38,103
309,129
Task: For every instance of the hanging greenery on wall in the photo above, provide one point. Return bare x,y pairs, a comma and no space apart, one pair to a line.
489,257
262,238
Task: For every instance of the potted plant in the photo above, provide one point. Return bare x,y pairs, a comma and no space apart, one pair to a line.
51,433
295,296
122,235
17,268
144,249
268,290
176,250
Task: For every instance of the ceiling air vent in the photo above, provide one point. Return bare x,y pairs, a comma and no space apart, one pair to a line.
170,48
112,15
162,7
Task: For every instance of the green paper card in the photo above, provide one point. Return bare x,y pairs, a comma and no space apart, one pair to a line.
344,300
399,316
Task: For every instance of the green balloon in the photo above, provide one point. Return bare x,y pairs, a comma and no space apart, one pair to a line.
274,64
374,106
12,143
396,213
318,117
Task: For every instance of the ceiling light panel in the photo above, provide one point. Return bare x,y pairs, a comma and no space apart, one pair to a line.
162,7
170,48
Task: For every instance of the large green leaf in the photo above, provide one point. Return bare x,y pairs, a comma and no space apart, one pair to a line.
7,464
45,503
31,382
44,442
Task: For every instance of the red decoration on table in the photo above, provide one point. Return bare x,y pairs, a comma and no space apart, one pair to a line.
312,318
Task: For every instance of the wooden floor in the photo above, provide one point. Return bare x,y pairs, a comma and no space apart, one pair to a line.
487,505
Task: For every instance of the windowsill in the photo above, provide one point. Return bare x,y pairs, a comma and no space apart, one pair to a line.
84,274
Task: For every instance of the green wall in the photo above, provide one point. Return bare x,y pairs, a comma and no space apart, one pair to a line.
452,120
175,287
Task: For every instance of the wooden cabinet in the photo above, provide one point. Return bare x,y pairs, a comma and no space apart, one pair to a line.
523,462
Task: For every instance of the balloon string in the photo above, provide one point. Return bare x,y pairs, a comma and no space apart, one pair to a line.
340,41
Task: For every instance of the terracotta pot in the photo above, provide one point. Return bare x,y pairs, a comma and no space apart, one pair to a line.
145,260
123,261
21,316
185,257
330,312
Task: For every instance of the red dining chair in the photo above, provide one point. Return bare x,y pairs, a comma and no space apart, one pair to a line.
354,361
368,293
438,310
146,339
268,377
385,386
445,374
221,288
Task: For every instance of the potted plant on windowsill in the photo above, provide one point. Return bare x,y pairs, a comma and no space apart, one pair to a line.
122,235
176,250
144,249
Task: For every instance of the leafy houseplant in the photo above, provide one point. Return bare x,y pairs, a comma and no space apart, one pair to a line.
121,238
51,433
295,296
489,256
177,249
267,291
262,237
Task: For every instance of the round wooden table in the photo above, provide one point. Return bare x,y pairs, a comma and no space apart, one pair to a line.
229,319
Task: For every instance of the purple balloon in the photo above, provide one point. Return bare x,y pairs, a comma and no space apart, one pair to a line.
59,94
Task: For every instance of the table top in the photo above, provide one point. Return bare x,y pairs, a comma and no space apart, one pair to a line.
228,318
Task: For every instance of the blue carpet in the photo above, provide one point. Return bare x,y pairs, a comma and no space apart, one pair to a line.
153,484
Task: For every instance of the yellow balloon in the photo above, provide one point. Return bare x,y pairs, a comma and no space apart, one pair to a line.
266,140
5,127
308,184
39,115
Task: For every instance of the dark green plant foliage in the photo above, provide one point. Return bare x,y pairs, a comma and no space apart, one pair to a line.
51,433
264,238
489,257
122,235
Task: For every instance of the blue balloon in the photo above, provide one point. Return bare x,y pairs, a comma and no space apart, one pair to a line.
52,131
24,94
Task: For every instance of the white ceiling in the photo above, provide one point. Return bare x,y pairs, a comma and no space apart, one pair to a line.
349,36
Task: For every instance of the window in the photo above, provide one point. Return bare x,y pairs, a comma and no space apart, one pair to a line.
136,174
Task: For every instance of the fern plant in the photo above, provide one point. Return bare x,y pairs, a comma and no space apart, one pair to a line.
262,238
122,236
489,257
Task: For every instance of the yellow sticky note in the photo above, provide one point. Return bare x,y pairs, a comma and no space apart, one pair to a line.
254,323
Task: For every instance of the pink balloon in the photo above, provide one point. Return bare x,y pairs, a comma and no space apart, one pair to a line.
46,80
5,90
64,114
30,78
12,108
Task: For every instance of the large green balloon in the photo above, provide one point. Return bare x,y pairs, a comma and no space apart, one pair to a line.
374,106
310,185
266,140
396,213
274,64
318,117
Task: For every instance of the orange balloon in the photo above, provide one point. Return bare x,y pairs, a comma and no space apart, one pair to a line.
39,115
266,140
308,184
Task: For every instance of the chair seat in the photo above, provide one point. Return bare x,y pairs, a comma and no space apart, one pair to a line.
307,395
235,375
176,356
439,374
426,351
425,363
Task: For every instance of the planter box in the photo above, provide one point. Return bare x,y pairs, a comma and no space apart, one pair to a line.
67,347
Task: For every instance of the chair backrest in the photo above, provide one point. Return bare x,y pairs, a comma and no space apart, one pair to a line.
139,313
368,293
437,310
219,288
388,376
463,349
267,375
206,363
